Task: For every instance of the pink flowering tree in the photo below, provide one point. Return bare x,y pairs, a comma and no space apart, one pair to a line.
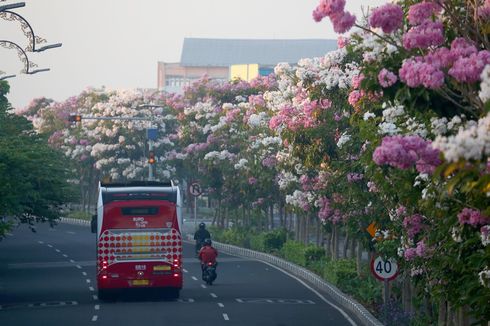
422,107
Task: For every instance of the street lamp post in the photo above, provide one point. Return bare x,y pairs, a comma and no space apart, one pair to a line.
8,15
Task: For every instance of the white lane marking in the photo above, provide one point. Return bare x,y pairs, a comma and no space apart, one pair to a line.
65,255
97,307
57,250
91,288
221,305
84,273
194,278
94,318
239,300
185,270
95,297
72,261
203,286
79,267
40,242
50,246
316,292
88,280
9,234
70,232
225,316
213,295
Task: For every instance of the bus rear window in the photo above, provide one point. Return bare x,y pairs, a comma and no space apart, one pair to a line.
139,211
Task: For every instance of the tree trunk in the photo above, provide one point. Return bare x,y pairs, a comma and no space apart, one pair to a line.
271,211
307,229
326,243
441,320
359,258
346,243
318,231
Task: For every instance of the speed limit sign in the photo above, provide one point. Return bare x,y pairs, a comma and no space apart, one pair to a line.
384,269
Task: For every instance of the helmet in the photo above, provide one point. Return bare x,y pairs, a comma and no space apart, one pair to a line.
202,225
207,242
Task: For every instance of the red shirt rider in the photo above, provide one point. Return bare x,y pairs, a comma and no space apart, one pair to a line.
208,254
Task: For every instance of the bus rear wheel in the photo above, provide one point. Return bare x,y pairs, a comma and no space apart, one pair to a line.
105,295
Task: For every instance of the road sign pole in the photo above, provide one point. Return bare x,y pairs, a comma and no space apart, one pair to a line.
150,166
195,212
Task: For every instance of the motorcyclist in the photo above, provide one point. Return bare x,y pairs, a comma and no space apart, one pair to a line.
201,235
208,254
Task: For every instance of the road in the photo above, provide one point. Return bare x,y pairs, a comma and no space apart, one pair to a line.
48,278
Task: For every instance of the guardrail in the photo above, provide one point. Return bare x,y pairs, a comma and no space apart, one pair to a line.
338,296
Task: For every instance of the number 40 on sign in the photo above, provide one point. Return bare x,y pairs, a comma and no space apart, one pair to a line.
384,269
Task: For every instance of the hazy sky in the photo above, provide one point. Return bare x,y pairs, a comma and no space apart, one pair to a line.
117,43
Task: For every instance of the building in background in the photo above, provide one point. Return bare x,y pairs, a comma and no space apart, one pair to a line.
225,59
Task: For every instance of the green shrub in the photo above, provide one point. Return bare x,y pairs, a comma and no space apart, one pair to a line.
339,271
274,240
294,251
257,242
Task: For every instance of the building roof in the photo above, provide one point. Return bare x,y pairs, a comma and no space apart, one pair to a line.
226,52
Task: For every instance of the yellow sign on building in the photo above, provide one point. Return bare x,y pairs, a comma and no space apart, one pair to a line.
245,72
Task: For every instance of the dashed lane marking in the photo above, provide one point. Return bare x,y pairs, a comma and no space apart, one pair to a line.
72,261
189,300
194,278
225,317
70,232
87,280
94,318
65,255
91,288
186,271
49,304
57,250
97,307
203,286
84,273
50,246
239,300
213,295
9,234
95,297
79,267
221,305
40,242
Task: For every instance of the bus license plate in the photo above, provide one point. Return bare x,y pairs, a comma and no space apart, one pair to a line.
161,268
141,282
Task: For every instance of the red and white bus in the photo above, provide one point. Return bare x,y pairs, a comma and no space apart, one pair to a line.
139,242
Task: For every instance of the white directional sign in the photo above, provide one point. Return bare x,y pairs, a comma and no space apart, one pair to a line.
195,189
384,269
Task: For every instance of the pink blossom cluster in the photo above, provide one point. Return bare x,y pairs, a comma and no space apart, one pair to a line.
388,17
405,151
334,9
198,147
258,202
420,12
372,187
386,78
252,181
306,182
468,69
425,35
295,117
256,100
232,115
472,217
419,251
353,177
413,224
270,161
325,209
415,72
484,11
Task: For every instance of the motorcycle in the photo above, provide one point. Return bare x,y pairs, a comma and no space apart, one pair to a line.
209,273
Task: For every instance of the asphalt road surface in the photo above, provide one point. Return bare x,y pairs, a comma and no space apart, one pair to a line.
48,278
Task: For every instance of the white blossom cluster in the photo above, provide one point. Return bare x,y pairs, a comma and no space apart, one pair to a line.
203,110
241,165
285,179
470,143
258,120
99,148
373,48
343,140
485,84
223,155
484,277
300,198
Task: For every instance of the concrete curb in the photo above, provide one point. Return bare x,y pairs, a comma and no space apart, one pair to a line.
340,298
